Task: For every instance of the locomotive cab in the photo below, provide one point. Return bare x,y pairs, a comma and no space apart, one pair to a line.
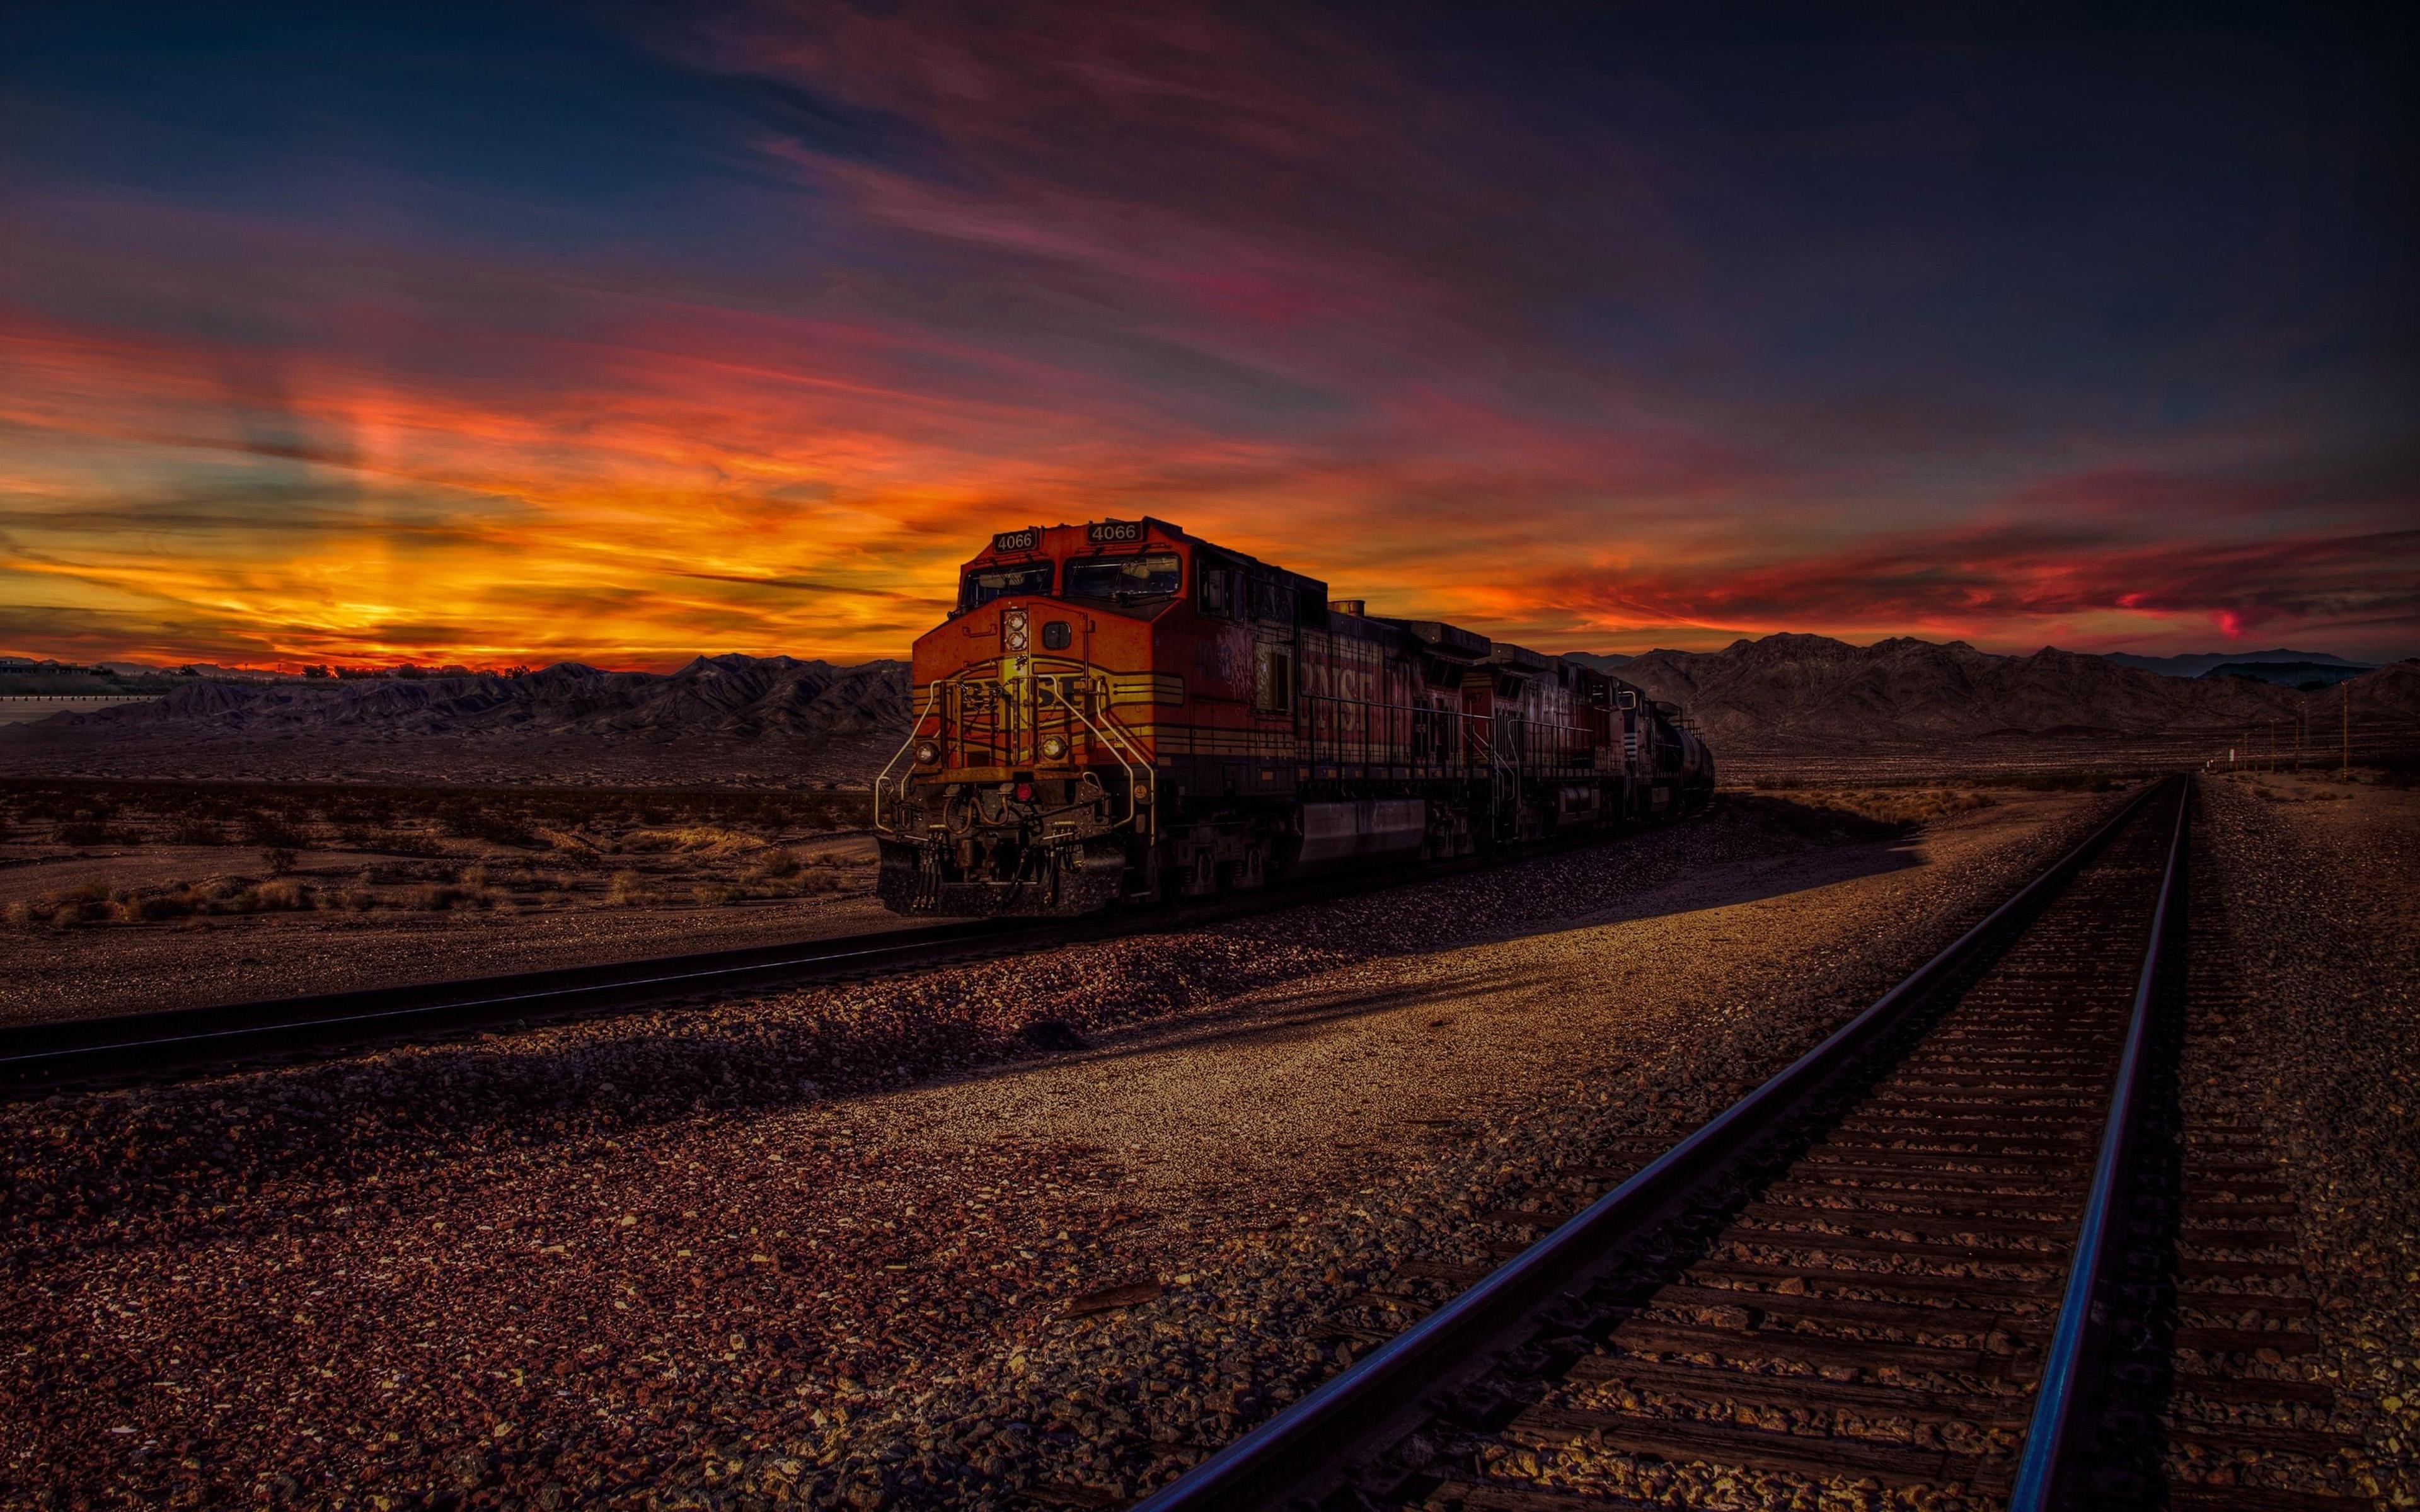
1021,790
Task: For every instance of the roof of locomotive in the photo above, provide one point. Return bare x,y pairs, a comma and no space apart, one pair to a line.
1037,538
1435,637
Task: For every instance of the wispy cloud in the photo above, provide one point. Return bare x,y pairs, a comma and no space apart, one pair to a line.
1534,331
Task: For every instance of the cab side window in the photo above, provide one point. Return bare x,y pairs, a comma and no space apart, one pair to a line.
1273,679
1217,591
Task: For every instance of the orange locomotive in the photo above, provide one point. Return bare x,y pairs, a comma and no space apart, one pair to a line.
1122,711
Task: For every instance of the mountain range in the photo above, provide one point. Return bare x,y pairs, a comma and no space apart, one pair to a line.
719,719
1790,693
1782,699
2203,663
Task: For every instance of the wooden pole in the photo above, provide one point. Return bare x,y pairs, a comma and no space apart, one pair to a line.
2344,690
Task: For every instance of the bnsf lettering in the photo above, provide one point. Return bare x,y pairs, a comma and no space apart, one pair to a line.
1024,540
1112,532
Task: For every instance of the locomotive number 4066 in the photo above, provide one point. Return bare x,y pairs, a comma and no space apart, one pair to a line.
1110,532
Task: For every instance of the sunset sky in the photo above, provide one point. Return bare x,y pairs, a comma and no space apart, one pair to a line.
510,335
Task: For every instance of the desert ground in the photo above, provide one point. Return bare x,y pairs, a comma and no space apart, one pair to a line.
120,897
873,1245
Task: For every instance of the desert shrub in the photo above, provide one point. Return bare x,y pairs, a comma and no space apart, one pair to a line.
68,905
574,849
435,897
474,877
1907,806
272,831
197,831
155,906
716,894
23,913
773,866
467,818
357,899
279,859
83,832
626,889
286,893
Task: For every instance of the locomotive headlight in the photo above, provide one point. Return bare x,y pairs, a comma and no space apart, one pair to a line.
1013,629
1054,748
927,753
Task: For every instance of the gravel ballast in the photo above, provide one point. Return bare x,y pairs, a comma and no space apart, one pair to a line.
1049,1223
2321,885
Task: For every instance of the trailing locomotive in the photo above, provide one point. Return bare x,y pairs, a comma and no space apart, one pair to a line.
1123,711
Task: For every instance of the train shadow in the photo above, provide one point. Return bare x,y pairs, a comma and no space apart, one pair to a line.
1270,1015
110,1169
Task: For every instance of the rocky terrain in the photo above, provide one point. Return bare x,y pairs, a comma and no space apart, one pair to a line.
914,1241
1768,705
125,896
2318,884
731,719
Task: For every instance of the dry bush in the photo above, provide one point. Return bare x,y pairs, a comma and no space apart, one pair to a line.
695,839
197,831
272,831
68,905
159,906
577,850
286,893
773,866
1905,806
474,877
717,894
626,889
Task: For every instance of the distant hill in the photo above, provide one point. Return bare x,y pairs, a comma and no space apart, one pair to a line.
720,719
2200,663
2310,676
1785,704
1603,661
1812,693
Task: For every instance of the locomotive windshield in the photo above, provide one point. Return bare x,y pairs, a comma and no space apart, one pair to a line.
983,584
1125,579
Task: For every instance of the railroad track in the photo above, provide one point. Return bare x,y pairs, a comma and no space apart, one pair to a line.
1916,1257
60,1053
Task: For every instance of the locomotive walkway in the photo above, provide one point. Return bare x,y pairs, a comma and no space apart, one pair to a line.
1963,1247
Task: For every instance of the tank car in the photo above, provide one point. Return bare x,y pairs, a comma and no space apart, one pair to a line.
1120,711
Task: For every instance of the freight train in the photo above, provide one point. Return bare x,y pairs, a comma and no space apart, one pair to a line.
1123,712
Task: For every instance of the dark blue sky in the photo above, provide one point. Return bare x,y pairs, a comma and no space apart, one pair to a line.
500,333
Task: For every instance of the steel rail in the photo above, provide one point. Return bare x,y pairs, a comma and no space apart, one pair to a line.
1271,1465
2054,1441
65,1051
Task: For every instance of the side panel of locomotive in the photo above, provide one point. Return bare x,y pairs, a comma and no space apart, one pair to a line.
1122,711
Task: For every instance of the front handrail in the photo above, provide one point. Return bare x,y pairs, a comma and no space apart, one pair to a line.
1118,746
932,697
